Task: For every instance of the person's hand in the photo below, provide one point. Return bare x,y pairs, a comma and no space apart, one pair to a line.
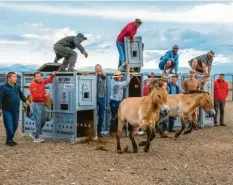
27,102
126,63
85,54
0,112
128,70
177,75
47,95
54,73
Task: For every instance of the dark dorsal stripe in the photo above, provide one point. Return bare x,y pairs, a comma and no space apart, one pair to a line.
196,92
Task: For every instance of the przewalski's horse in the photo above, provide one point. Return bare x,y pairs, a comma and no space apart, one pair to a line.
142,112
184,106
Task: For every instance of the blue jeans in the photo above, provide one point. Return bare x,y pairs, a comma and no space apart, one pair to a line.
101,113
38,111
11,121
114,106
121,51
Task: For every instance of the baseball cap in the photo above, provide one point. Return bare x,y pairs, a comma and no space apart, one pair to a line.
138,21
175,46
211,52
81,35
145,78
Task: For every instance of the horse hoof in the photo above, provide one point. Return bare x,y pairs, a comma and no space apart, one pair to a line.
142,143
135,150
119,152
146,150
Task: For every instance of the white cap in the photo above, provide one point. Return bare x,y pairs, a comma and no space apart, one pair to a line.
145,78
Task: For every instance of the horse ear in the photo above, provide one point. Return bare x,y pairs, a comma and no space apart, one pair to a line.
157,86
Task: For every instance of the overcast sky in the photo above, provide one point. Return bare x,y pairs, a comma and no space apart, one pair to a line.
29,30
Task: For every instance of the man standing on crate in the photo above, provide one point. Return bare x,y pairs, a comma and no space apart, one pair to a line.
64,49
220,95
130,31
10,96
170,61
203,63
39,96
101,86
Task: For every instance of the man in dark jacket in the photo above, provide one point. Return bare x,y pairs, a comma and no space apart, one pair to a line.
220,94
64,49
173,89
101,86
10,96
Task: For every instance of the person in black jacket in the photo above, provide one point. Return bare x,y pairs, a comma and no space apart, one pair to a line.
64,49
10,96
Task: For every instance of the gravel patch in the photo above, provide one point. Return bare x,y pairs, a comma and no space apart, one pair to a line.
201,158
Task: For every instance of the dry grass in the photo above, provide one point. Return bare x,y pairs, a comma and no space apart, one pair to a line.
204,157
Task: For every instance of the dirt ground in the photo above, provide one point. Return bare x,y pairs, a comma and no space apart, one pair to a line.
204,157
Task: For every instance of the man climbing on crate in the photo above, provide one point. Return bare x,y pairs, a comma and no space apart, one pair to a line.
101,86
170,61
117,87
203,63
130,31
39,96
64,49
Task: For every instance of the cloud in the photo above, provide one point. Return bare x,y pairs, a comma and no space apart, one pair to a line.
208,13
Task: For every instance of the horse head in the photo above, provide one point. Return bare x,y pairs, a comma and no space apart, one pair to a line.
159,97
207,104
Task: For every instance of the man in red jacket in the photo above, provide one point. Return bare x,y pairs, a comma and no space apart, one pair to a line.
130,31
39,95
220,95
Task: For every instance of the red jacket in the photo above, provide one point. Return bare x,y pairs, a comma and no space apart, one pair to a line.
220,90
146,90
37,90
128,31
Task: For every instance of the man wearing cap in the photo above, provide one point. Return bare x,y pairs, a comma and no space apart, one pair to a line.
170,61
117,87
130,31
64,49
202,62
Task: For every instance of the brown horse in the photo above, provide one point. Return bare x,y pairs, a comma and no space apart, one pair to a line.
184,105
142,112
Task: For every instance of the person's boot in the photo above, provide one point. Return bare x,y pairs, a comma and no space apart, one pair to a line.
71,70
100,135
61,69
223,124
164,134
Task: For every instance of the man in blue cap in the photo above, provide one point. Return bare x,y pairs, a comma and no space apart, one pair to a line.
170,61
64,49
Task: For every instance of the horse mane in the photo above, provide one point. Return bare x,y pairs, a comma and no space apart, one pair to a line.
196,92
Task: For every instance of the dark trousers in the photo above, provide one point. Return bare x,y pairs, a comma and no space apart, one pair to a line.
101,113
11,121
68,54
219,104
114,105
168,124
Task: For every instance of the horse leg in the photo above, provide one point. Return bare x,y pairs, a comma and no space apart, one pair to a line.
183,122
132,133
143,143
193,123
118,134
149,133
